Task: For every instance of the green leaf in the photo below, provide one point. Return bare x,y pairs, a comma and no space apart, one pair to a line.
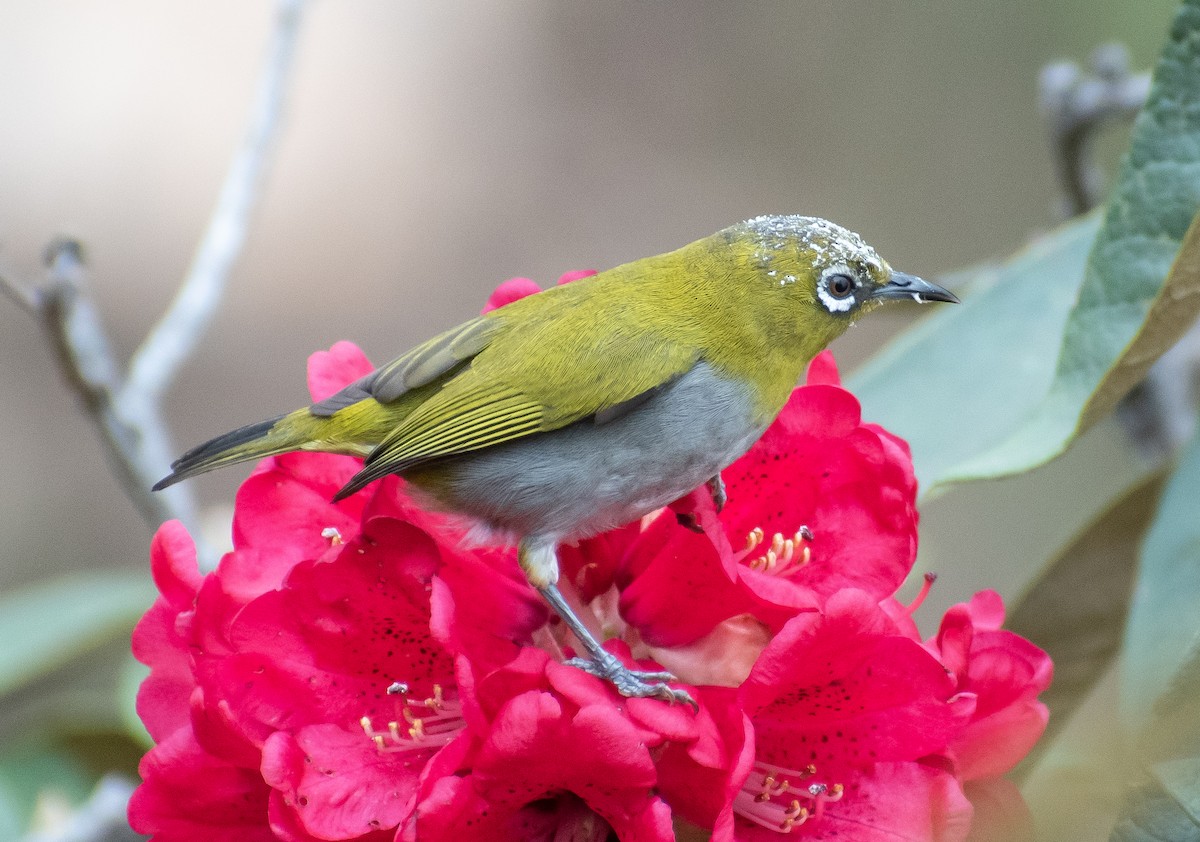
1164,623
1166,808
1076,789
63,618
12,813
980,365
1127,315
132,675
1076,608
33,770
1180,779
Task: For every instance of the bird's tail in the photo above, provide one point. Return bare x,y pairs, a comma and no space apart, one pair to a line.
267,438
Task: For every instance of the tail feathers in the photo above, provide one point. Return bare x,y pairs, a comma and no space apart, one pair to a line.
254,441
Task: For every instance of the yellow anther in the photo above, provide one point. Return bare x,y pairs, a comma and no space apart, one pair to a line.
434,702
417,731
794,818
365,722
754,538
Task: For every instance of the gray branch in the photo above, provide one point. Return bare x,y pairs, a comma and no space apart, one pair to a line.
1076,107
127,410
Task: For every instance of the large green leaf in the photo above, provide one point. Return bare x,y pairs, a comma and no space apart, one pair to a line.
60,619
1141,290
1076,608
34,769
964,377
987,366
1163,633
1164,809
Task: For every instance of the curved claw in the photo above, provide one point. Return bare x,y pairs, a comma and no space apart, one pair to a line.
635,683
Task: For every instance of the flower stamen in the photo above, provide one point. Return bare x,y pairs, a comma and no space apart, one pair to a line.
332,535
772,798
784,554
439,721
754,538
926,587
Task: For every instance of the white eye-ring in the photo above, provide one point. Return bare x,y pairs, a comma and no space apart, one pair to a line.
836,289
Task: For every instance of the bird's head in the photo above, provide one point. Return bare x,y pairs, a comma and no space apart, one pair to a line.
828,272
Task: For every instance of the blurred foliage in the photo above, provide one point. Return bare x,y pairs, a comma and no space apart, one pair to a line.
1164,809
1044,345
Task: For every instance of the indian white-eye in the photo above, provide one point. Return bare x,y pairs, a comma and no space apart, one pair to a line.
587,406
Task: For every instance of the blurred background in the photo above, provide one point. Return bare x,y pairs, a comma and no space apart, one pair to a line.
432,150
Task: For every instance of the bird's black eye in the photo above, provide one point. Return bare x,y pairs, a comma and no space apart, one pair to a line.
840,286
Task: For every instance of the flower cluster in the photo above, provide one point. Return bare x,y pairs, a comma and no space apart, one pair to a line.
358,671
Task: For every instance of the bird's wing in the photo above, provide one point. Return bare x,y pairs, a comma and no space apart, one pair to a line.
420,366
585,376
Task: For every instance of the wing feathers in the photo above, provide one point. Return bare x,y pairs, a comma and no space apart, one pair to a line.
420,366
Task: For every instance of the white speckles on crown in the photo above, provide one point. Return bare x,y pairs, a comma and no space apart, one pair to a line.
831,243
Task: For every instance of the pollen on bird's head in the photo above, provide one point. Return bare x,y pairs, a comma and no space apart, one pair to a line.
821,242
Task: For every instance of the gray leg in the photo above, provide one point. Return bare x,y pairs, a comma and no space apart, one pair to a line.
716,487
600,662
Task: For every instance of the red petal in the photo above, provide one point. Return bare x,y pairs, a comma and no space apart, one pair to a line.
680,584
823,370
843,691
575,275
189,794
173,565
851,485
510,291
337,784
162,699
331,371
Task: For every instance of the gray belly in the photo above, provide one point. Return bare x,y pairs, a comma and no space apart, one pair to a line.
590,477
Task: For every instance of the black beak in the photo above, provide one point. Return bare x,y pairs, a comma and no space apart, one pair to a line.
901,286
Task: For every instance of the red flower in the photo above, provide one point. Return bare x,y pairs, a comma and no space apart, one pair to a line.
821,502
843,708
357,670
279,675
561,757
1005,673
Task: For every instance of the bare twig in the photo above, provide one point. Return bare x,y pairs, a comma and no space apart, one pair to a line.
19,295
86,360
1076,106
127,411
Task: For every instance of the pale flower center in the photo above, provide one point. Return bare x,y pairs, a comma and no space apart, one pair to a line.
782,799
421,724
783,556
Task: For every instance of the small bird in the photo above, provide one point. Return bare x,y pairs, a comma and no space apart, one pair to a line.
589,405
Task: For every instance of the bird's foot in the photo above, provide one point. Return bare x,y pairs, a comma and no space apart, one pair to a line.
634,683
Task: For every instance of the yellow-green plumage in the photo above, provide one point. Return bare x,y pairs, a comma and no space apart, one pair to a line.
589,404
